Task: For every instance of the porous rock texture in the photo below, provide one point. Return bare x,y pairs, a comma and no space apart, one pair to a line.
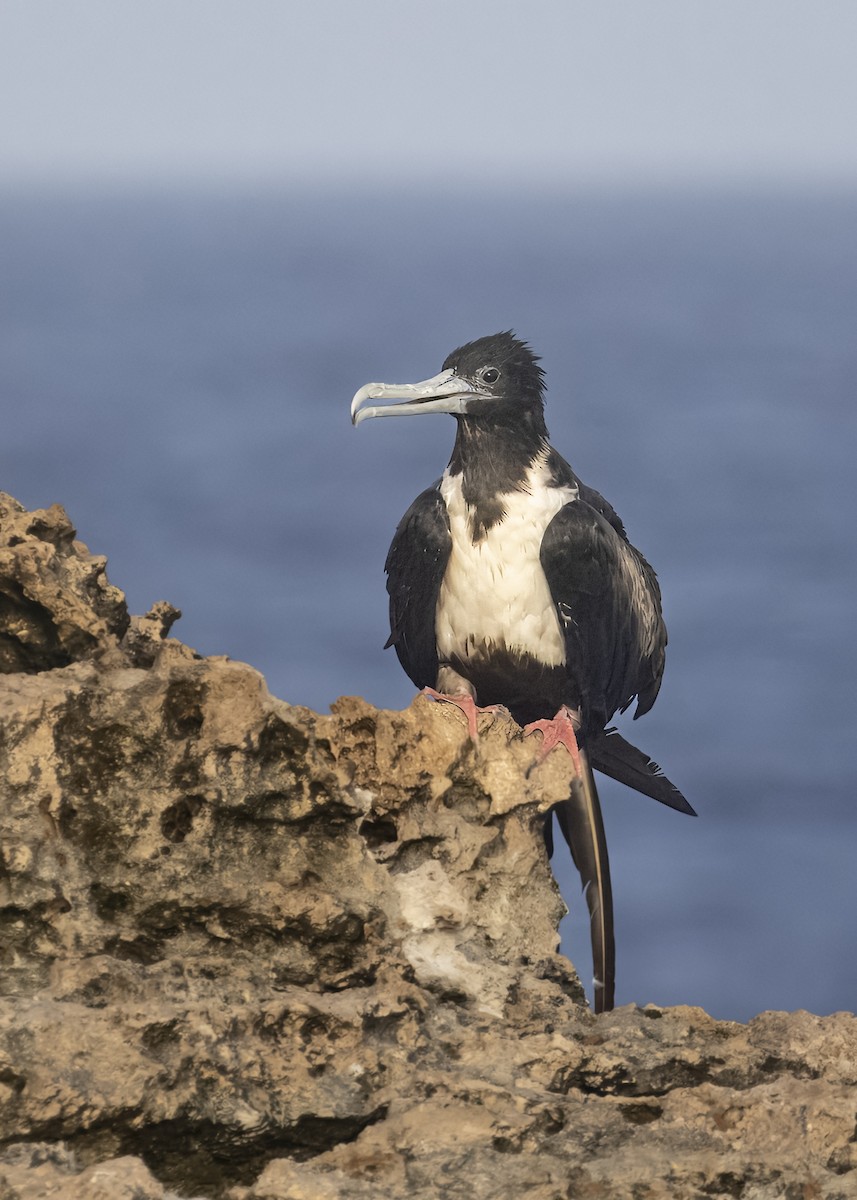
254,952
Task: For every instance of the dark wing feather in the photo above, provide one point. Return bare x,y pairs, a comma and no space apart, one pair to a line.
652,668
415,566
609,605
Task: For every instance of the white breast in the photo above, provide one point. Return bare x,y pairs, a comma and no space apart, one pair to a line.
494,593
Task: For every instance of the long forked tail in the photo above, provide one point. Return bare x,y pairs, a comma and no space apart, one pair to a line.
580,820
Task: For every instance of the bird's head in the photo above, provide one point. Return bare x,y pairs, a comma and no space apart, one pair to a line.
494,378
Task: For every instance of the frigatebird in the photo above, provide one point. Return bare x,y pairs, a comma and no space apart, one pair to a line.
514,585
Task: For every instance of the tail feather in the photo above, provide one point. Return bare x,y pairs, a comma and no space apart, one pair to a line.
613,756
580,820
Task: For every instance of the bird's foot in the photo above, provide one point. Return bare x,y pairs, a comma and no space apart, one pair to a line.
561,730
466,704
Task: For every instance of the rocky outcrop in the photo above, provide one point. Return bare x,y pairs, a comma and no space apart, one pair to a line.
256,952
56,605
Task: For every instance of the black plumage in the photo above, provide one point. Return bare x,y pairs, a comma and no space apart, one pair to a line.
511,525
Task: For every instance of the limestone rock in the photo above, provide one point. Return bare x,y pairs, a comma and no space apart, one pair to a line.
56,605
40,1171
255,952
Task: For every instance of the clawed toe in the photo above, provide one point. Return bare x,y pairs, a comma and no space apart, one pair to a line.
465,703
560,730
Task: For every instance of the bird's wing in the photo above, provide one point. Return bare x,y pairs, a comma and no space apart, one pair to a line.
415,567
609,606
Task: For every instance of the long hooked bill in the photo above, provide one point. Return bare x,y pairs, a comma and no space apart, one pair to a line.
446,393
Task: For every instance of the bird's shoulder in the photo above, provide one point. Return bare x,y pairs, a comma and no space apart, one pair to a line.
562,475
580,550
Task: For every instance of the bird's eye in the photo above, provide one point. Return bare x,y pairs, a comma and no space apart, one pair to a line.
490,375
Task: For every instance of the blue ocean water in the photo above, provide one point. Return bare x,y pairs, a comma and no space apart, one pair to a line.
176,370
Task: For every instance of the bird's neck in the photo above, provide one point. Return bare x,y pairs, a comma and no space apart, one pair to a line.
493,460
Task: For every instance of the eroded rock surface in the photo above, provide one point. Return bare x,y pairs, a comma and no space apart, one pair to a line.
56,604
256,952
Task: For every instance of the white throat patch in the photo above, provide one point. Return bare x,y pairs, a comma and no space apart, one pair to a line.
494,593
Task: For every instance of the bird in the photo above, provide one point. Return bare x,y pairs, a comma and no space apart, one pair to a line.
513,586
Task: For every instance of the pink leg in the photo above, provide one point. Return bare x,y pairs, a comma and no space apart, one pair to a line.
465,702
561,730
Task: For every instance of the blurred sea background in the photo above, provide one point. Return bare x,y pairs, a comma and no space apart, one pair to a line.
181,335
177,370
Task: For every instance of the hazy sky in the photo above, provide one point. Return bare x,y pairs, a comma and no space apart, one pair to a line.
455,90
